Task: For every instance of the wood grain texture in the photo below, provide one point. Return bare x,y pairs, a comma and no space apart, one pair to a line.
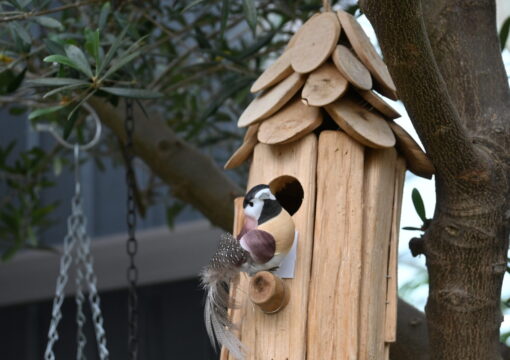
282,335
314,42
246,148
275,73
417,161
271,100
365,50
377,102
351,68
390,331
333,310
367,127
379,178
291,123
324,85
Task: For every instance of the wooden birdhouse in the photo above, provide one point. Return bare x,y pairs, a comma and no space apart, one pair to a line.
326,143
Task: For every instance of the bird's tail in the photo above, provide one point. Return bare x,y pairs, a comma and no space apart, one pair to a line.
216,277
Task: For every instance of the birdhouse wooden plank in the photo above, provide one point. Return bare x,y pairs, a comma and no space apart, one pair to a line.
336,267
282,335
338,168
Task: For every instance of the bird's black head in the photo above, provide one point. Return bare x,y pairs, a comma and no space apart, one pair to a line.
260,204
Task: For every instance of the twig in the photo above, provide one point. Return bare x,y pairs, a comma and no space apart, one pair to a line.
31,14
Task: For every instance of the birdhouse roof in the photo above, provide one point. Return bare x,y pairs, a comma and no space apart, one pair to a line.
329,74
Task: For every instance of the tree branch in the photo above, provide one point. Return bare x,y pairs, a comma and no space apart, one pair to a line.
193,177
30,14
477,84
400,29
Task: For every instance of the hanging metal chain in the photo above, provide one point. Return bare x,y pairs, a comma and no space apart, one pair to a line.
131,244
77,240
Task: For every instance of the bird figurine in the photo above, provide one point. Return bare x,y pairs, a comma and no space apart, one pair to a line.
265,239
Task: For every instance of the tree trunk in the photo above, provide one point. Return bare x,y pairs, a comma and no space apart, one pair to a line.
460,110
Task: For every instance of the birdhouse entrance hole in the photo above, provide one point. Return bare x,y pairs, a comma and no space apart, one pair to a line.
288,192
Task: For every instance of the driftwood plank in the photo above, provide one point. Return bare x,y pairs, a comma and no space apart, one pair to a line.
314,42
379,177
291,123
244,151
283,335
392,291
336,270
271,100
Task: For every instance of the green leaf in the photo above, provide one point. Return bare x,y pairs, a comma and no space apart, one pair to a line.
418,204
54,47
225,8
10,81
132,93
250,13
92,45
49,22
503,34
42,112
63,60
411,228
71,118
21,32
103,15
121,61
55,81
65,88
78,57
113,49
192,4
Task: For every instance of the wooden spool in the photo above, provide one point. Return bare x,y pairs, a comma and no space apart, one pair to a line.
291,123
324,85
351,68
366,127
268,292
271,100
314,42
367,54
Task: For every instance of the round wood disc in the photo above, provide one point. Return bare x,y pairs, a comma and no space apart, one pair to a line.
314,42
368,128
246,148
377,102
324,85
296,35
417,161
271,100
366,52
291,123
351,68
275,73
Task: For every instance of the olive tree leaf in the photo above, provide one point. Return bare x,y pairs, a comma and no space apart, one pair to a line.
418,205
132,93
103,15
49,22
42,112
503,33
66,88
78,57
250,13
55,81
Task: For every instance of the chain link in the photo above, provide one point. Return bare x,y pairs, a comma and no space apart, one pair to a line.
131,244
77,240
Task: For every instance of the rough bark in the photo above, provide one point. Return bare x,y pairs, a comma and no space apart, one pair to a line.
455,90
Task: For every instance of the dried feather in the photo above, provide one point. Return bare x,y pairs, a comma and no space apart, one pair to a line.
223,268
